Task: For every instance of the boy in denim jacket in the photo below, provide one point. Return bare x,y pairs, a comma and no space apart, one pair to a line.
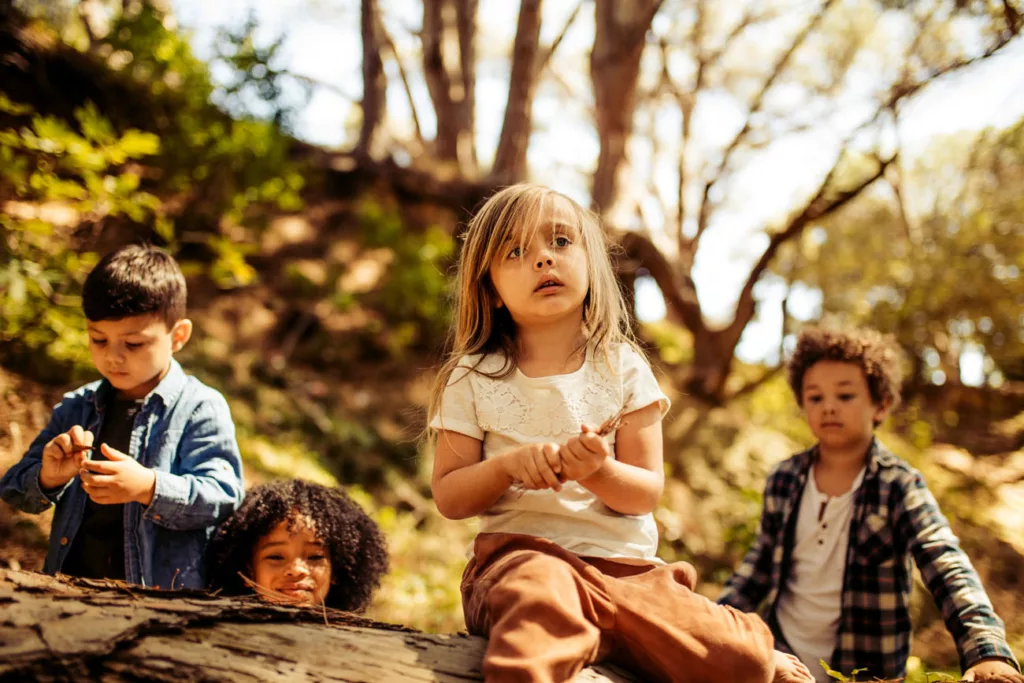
143,464
830,568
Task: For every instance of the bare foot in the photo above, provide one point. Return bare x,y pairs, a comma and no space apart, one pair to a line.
789,669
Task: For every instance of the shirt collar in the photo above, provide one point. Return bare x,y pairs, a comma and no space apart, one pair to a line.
169,388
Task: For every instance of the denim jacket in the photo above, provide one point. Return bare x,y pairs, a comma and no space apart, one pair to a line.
185,434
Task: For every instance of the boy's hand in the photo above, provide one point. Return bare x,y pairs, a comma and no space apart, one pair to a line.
995,671
120,479
63,456
583,455
534,467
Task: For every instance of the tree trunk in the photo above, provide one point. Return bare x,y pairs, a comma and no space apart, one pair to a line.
64,630
374,82
614,69
451,83
510,159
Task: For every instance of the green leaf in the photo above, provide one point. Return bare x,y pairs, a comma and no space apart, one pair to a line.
95,126
135,144
832,674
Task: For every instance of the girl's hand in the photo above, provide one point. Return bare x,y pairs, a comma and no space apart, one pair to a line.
63,456
535,466
119,479
583,455
789,669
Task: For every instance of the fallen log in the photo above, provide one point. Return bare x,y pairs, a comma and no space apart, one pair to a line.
62,629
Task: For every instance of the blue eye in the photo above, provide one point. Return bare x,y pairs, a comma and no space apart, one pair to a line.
562,241
516,252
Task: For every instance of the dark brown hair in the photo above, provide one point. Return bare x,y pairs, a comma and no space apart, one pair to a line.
876,354
138,279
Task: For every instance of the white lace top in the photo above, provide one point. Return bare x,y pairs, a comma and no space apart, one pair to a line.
517,410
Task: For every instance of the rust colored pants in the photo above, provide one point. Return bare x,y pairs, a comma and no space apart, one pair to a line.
549,613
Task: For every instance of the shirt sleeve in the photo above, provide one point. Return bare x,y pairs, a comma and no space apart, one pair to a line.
950,577
209,487
640,388
19,486
458,405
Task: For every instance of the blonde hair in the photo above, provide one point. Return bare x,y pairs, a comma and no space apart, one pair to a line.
480,326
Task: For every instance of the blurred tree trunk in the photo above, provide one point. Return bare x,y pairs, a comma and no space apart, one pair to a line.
105,630
510,159
374,82
452,82
621,30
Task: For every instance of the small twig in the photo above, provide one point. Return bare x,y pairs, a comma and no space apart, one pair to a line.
281,597
615,421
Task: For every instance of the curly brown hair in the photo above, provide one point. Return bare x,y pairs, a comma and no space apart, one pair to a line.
877,355
359,555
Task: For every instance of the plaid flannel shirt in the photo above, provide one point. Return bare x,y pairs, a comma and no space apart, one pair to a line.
895,518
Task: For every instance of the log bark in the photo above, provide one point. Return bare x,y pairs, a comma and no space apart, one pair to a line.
60,629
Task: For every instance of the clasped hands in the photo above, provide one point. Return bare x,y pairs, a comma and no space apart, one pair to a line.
548,465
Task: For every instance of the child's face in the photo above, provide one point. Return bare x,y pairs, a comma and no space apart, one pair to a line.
293,563
134,353
838,405
544,280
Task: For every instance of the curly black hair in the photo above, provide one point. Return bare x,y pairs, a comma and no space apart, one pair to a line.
359,556
876,354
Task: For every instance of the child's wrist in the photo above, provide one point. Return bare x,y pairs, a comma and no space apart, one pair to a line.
146,497
48,482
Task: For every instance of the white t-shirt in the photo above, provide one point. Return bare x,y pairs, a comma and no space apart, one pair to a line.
518,410
809,608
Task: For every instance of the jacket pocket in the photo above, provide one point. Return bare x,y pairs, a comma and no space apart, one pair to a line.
874,539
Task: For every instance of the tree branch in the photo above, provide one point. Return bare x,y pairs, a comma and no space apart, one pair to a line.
393,49
679,291
819,205
755,107
546,55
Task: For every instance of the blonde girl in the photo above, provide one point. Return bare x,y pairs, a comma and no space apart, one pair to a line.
564,572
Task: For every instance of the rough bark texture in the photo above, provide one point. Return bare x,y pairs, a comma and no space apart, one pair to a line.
57,630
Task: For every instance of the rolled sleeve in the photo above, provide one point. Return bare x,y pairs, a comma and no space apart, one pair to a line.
19,486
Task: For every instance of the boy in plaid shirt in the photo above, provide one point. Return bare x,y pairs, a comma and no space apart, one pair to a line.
830,569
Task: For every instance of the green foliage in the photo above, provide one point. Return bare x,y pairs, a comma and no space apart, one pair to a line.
837,675
943,282
230,170
51,178
415,292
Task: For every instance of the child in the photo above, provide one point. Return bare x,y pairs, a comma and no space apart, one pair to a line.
142,505
564,573
296,541
830,566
